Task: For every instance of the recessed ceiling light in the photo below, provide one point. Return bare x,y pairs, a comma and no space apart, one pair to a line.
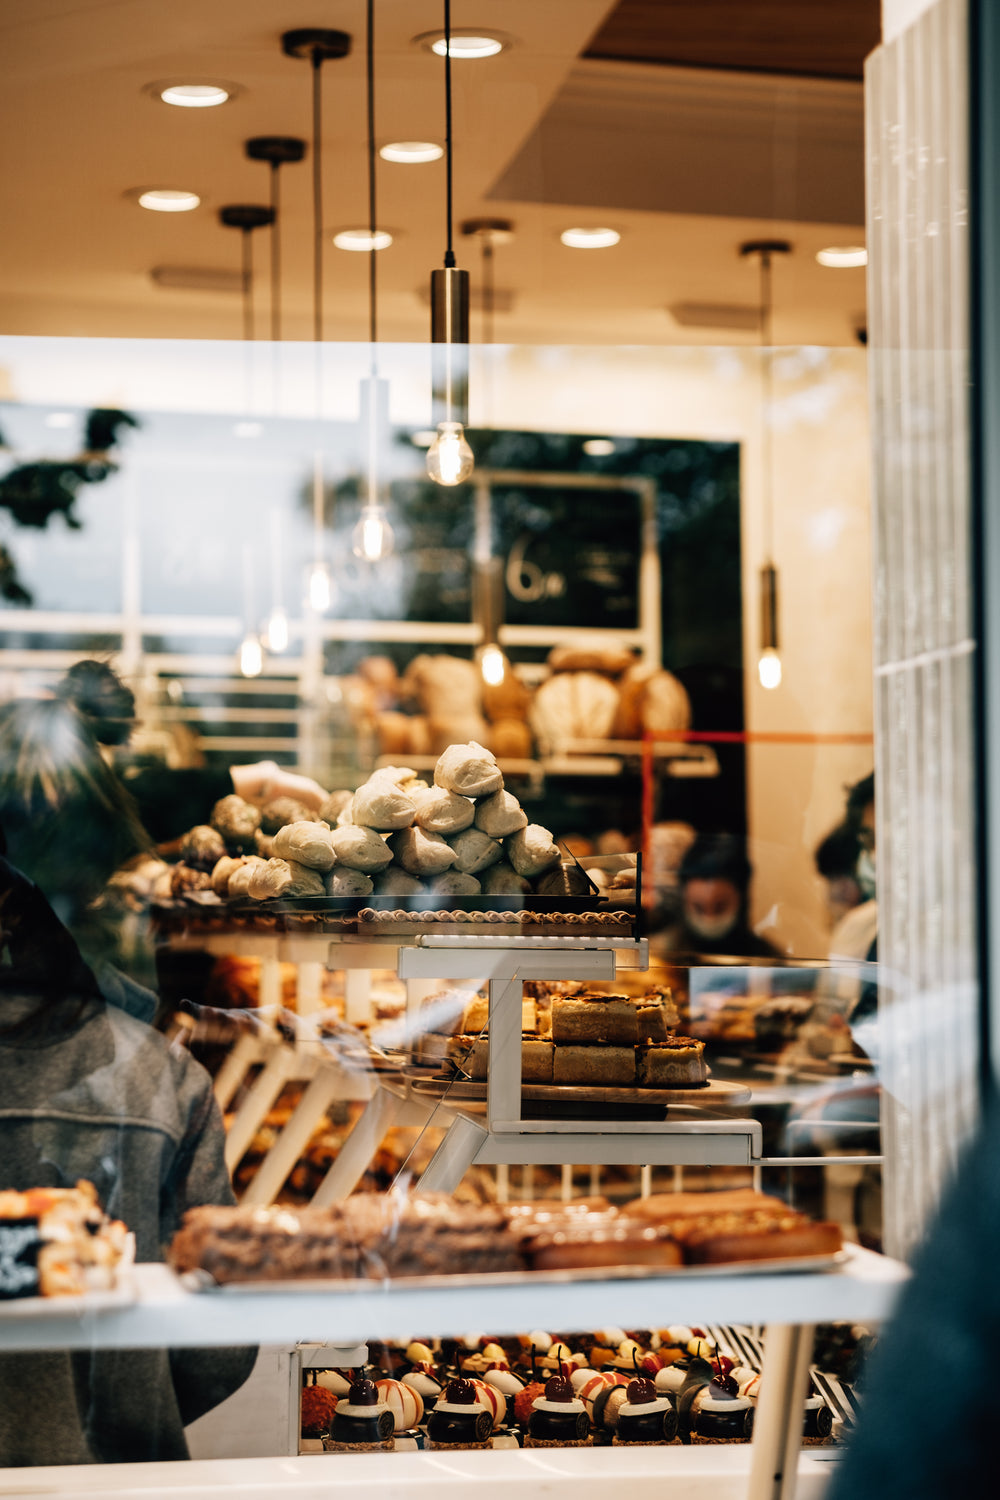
361,239
60,419
412,151
423,438
842,256
465,42
194,95
590,239
598,447
169,200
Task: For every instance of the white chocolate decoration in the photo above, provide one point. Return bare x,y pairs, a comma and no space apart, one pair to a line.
419,1354
505,1381
539,1340
540,1404
332,1380
679,1334
579,1378
637,1409
613,1337
670,1378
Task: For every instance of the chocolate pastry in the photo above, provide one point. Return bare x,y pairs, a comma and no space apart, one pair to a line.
559,1416
363,1420
458,1418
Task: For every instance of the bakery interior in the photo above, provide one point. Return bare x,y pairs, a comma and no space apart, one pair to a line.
504,838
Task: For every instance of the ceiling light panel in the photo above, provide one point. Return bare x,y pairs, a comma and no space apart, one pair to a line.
361,239
596,238
466,43
841,257
168,200
410,153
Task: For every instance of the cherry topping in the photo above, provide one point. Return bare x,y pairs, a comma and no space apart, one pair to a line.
363,1392
559,1389
461,1393
725,1383
640,1391
722,1364
650,1365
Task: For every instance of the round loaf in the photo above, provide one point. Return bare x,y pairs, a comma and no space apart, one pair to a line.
475,851
470,769
361,849
308,844
573,706
532,851
422,853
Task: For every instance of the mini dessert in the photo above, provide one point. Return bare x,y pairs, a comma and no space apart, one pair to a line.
491,1400
363,1422
316,1411
405,1403
423,1380
676,1063
595,1018
818,1421
334,1381
644,1417
524,1401
503,1380
602,1397
458,1420
557,1355
417,1353
57,1242
747,1381
720,1415
595,1067
558,1418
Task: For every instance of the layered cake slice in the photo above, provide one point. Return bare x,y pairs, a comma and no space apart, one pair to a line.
676,1063
595,1018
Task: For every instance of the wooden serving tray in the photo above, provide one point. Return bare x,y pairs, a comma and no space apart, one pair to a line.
715,1093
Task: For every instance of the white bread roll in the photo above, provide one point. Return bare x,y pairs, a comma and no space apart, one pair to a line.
475,851
422,853
361,849
500,814
382,805
532,851
444,812
307,843
345,882
471,770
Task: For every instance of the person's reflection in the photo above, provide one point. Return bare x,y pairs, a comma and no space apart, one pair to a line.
714,879
91,1092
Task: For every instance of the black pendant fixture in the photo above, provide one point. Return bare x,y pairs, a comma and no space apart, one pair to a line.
372,538
449,458
246,217
318,45
769,658
278,151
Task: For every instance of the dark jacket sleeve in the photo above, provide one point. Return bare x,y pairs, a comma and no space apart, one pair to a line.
202,1377
927,1428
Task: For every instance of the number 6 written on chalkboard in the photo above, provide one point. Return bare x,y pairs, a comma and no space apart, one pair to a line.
525,580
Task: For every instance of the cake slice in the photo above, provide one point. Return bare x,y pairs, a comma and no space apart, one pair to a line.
472,1053
677,1063
598,1067
590,1018
657,1015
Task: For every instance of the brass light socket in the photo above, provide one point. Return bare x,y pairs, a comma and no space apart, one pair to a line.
769,607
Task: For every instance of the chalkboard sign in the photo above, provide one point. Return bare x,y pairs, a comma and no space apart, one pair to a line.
20,1241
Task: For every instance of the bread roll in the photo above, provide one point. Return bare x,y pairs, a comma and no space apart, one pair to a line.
281,810
236,821
396,882
361,849
222,872
573,706
269,880
444,812
447,686
509,699
380,804
334,806
309,844
455,729
502,880
239,879
420,736
500,814
380,673
393,733
185,878
650,700
305,881
455,883
470,770
610,663
532,851
422,853
475,851
510,739
202,848
344,882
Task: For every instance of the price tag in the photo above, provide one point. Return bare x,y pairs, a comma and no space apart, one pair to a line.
20,1241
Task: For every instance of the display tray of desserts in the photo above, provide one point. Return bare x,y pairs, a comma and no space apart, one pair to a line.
59,1253
610,1387
430,1239
395,857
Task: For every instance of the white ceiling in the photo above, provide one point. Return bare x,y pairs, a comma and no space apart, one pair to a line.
541,137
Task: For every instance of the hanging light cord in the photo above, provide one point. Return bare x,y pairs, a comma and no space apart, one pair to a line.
372,274
275,257
248,328
317,187
449,256
767,387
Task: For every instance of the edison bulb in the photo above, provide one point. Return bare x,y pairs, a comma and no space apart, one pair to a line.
251,656
277,630
320,592
769,668
372,537
449,457
492,665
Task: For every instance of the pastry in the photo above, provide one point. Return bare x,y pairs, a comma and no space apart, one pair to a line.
558,1417
334,805
644,1416
281,810
444,812
610,662
502,880
361,849
239,880
343,881
590,1018
597,1067
381,804
573,706
57,1242
308,844
455,883
269,880
363,1422
422,853
614,1242
475,851
471,770
656,1015
395,882
236,822
675,1063
531,851
304,882
510,739
316,1411
202,848
423,1380
500,814
650,699
220,875
458,1420
404,1401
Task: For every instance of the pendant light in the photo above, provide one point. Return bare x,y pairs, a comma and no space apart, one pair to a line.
769,659
319,589
318,45
449,458
246,217
277,151
489,233
372,538
277,633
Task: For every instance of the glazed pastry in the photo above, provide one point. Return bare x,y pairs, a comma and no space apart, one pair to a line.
202,848
422,853
237,822
491,1400
269,880
380,804
361,849
344,882
470,770
404,1401
426,1384
307,843
475,851
502,880
500,814
531,851
602,1395
441,811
